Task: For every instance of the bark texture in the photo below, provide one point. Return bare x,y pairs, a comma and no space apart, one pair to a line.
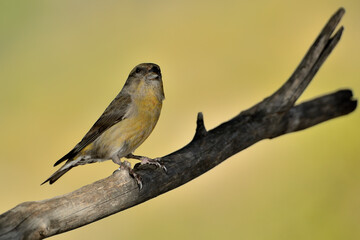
274,116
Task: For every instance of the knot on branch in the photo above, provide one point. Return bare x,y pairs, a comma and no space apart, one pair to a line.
200,127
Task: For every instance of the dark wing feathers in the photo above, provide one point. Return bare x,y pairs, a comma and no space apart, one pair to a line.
113,114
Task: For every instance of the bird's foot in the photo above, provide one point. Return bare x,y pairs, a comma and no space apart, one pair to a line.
152,161
127,167
146,160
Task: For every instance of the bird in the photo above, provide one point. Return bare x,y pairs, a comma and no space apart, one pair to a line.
123,127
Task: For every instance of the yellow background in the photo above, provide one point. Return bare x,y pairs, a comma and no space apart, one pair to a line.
62,62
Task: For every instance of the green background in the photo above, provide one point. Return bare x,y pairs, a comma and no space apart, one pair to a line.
62,62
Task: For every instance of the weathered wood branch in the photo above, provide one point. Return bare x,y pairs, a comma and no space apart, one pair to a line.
274,116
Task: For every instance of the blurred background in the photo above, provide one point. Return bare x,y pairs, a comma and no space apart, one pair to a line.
62,62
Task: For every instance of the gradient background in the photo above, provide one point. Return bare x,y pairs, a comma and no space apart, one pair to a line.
62,62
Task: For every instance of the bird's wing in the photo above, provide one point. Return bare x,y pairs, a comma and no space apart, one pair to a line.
113,114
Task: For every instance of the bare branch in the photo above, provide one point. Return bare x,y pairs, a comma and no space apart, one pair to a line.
274,116
286,96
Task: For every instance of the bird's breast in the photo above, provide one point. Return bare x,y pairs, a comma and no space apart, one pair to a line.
125,136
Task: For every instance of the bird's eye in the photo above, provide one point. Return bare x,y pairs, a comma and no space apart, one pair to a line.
155,69
138,70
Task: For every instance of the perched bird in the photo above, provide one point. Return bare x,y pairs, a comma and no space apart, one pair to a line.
124,125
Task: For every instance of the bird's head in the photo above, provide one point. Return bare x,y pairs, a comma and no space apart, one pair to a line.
143,78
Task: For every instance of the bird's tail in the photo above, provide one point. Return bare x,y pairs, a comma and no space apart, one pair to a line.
56,175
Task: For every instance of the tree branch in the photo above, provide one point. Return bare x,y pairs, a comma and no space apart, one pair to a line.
274,116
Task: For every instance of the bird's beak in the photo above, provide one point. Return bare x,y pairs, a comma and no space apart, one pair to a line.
152,76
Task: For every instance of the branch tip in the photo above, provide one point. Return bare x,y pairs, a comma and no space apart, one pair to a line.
337,35
286,96
339,13
333,21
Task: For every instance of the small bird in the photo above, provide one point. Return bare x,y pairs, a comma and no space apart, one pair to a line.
124,125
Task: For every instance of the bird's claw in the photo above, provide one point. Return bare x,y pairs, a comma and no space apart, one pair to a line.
127,166
155,161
